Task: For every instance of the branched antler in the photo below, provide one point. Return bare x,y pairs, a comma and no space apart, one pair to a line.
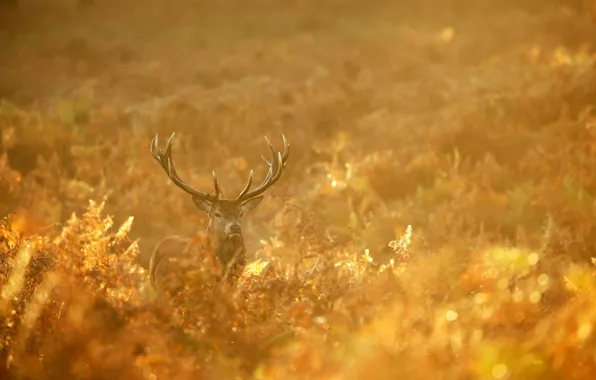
166,162
276,167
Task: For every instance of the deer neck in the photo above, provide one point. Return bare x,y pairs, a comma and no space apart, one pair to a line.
225,247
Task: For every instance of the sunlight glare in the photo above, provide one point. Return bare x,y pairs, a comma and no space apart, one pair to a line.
256,267
447,34
584,331
499,371
451,315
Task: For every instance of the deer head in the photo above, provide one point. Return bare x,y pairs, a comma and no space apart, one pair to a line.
225,215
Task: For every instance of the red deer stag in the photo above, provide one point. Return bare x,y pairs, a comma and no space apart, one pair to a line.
225,218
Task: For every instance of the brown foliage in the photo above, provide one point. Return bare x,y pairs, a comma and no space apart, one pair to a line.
436,220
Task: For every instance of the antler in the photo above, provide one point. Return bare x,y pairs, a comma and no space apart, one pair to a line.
165,160
276,167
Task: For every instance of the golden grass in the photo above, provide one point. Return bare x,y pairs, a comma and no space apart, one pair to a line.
436,220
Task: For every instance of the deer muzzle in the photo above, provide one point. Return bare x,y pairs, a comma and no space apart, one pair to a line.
234,229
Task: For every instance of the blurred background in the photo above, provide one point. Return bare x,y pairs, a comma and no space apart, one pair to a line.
470,120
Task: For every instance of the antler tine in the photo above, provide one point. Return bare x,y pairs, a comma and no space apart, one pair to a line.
286,149
284,159
153,148
216,185
247,186
165,161
276,166
159,155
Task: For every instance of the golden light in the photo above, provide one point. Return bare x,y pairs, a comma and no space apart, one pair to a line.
499,371
256,267
584,331
535,297
533,258
451,315
447,34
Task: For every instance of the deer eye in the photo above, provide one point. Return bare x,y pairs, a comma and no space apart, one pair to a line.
240,214
217,215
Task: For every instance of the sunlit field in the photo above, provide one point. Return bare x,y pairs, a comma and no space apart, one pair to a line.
436,218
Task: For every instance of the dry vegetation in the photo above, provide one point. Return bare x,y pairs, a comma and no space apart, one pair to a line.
437,219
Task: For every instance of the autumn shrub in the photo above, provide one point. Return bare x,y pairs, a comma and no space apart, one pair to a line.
435,220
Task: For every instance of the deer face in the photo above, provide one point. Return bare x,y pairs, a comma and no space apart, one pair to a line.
226,215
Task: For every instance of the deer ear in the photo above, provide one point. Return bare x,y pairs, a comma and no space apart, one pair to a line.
202,204
251,204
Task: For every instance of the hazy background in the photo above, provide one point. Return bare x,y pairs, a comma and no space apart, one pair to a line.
470,120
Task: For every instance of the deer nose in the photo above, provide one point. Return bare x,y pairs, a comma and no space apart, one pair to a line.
235,228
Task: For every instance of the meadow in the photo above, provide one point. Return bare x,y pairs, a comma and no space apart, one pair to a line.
436,219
